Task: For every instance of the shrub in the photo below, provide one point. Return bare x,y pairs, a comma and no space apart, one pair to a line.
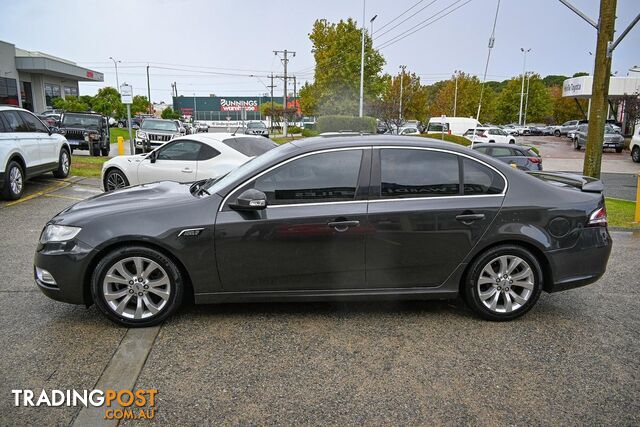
308,133
346,123
456,139
534,149
294,129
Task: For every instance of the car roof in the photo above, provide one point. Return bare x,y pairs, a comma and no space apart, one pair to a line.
500,144
11,107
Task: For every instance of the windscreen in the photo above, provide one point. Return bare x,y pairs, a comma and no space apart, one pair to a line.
159,125
81,120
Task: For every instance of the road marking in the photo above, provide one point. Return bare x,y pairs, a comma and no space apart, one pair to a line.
57,186
121,373
60,196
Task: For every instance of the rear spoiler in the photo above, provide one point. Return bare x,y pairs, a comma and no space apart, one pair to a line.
581,182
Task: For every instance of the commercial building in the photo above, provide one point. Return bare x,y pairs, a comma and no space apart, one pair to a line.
223,108
32,80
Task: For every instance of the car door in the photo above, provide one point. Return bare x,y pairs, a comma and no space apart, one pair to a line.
311,234
427,210
26,140
174,161
47,143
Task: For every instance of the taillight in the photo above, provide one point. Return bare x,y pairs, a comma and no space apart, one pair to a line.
535,159
598,218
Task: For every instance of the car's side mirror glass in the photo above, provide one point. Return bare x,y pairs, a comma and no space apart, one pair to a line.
153,156
250,200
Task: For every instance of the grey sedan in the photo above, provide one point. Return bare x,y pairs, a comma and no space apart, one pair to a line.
518,156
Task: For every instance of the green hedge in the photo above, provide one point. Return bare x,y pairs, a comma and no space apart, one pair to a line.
346,123
308,133
456,139
294,129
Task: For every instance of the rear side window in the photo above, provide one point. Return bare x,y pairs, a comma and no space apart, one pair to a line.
14,122
479,179
250,147
34,124
502,152
322,177
207,152
418,173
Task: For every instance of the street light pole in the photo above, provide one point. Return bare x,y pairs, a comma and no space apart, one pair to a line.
371,22
455,96
402,67
362,62
115,63
524,65
526,102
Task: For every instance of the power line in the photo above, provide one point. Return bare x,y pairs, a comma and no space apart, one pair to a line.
406,19
394,19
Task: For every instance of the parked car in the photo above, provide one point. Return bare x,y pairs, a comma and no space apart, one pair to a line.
184,159
612,139
28,148
536,129
510,129
489,134
332,218
50,120
135,122
201,127
409,130
634,146
256,128
453,125
86,131
567,127
188,127
518,156
154,133
551,130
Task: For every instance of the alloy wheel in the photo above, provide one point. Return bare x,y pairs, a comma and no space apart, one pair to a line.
505,284
136,288
65,162
15,180
114,181
635,154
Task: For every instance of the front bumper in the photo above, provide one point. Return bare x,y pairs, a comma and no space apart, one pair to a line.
67,262
582,264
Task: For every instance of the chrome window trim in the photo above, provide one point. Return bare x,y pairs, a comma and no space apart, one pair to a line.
377,200
329,150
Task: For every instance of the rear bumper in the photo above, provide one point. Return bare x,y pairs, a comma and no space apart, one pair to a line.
582,264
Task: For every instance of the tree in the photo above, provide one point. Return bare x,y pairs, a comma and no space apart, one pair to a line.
414,100
539,105
469,88
566,108
140,104
70,103
107,102
168,113
337,52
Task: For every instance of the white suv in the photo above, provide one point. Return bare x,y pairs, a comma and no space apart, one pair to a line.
28,148
635,145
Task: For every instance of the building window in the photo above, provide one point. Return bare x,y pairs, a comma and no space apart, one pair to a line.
51,92
8,91
70,91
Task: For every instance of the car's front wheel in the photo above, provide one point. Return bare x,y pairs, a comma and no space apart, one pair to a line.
115,179
503,283
136,286
635,154
576,146
556,133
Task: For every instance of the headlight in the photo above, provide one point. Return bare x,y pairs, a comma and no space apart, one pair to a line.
58,233
141,135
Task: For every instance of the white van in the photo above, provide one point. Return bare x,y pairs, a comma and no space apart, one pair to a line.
452,125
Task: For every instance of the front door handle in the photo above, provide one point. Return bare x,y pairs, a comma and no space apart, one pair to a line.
341,226
187,170
469,218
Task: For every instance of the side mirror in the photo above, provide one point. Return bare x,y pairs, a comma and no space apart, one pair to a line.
153,156
250,200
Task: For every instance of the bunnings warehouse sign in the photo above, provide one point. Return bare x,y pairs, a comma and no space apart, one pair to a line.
225,104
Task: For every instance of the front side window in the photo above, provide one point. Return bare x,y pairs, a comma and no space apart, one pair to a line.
479,179
33,123
418,173
180,150
322,177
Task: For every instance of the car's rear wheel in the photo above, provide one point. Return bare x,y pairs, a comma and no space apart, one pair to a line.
136,286
576,146
64,164
115,179
503,283
635,154
556,133
94,150
13,185
104,152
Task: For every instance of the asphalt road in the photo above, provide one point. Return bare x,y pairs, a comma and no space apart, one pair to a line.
574,359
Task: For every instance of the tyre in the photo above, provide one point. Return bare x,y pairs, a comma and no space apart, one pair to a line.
136,286
635,154
115,179
64,164
94,150
503,283
13,185
512,141
576,146
618,149
104,152
556,133
120,125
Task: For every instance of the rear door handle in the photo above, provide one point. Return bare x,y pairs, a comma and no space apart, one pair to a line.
469,218
187,170
341,226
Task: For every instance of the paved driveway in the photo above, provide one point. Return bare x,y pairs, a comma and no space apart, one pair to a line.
574,359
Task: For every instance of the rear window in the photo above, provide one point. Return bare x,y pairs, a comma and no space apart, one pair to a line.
437,127
250,147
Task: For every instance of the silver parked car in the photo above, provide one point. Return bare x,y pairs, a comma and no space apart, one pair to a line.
567,127
612,139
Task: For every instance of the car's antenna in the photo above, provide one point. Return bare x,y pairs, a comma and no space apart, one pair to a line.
234,132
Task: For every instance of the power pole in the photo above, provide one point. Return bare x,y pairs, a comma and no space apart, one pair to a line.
600,90
455,96
271,86
362,62
285,61
402,67
149,90
295,95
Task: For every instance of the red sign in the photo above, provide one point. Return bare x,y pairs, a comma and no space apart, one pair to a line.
233,105
90,74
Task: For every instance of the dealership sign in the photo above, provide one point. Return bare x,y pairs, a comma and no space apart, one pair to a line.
238,105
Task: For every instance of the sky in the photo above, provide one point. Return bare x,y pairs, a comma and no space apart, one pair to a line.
215,46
